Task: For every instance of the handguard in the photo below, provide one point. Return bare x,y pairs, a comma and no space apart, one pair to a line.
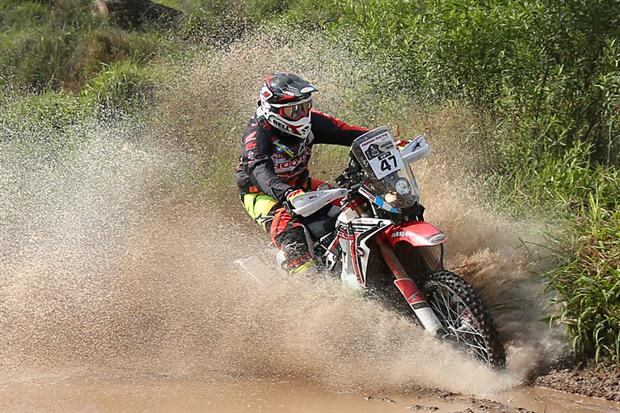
415,150
310,202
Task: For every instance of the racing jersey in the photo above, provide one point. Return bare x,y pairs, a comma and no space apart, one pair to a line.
275,162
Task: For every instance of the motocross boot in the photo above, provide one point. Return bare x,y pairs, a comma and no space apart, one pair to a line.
307,268
297,257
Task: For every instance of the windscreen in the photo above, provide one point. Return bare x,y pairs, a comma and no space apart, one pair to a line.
387,176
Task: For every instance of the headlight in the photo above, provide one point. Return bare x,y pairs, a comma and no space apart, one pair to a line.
402,187
390,198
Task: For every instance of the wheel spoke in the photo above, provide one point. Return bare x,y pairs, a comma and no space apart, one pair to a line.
477,342
474,344
454,315
447,306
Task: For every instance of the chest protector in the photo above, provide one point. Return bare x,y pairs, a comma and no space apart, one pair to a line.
291,161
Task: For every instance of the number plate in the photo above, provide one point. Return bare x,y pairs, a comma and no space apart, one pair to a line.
382,155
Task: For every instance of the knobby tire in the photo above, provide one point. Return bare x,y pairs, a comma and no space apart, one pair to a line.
445,289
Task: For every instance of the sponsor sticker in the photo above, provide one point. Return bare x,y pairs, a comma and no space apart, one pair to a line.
435,239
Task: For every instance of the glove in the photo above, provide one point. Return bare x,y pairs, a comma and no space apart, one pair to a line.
294,194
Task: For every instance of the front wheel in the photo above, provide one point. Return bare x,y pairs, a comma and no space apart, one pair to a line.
466,322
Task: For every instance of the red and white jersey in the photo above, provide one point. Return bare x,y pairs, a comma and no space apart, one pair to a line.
274,162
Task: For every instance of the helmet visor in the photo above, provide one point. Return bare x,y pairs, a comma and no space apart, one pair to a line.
296,111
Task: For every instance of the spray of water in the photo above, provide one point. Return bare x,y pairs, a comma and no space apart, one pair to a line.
116,253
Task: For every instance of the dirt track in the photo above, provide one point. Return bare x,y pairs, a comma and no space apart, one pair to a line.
58,393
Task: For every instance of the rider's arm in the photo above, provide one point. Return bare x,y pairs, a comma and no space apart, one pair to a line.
327,129
258,150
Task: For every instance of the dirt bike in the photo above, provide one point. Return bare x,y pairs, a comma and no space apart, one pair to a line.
370,230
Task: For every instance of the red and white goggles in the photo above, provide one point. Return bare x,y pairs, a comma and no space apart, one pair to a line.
294,111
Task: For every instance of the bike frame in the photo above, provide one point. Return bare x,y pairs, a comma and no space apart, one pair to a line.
362,234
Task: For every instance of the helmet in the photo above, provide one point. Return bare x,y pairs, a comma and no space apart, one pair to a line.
285,102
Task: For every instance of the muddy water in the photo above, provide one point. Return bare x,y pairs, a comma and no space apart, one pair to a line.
64,394
118,294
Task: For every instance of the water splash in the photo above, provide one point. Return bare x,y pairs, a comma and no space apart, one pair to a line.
116,255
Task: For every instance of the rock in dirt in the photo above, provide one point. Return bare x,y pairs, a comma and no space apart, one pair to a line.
419,407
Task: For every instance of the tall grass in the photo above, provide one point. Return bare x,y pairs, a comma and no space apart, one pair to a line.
62,45
588,278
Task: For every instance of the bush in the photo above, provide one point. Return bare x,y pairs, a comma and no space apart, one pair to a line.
40,40
107,45
18,15
33,57
62,45
123,86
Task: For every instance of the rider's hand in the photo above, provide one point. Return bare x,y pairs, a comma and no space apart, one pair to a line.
294,194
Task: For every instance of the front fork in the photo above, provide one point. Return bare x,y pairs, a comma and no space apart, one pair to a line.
409,289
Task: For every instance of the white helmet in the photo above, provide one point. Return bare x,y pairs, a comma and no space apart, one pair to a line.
286,100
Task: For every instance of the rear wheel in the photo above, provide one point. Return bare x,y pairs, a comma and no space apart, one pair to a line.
466,321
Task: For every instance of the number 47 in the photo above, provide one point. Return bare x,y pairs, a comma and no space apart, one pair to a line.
385,164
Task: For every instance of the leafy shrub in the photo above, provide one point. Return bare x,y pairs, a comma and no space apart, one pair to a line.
123,86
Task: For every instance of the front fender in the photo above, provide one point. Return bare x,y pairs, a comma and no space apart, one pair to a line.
416,233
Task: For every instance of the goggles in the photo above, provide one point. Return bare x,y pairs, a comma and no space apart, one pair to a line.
295,111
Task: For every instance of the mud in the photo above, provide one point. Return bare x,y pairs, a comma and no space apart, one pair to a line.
603,382
72,391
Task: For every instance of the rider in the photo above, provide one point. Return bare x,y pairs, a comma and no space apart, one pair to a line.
273,168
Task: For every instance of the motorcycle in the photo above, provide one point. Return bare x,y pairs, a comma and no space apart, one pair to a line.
370,230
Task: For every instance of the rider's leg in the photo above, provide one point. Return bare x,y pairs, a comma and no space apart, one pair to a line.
260,207
288,235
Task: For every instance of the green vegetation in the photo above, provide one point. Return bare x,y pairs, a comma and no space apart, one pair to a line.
588,281
62,45
547,77
542,80
122,86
